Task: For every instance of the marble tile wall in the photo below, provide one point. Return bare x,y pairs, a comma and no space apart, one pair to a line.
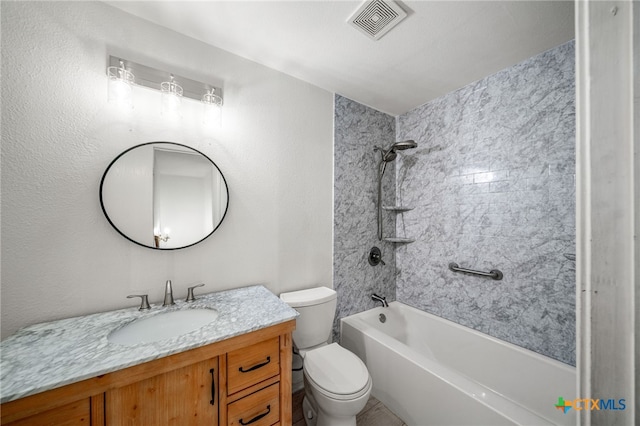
493,186
357,130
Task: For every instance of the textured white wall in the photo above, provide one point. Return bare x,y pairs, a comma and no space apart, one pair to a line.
60,256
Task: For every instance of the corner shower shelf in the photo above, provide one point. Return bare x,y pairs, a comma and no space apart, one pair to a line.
397,209
400,240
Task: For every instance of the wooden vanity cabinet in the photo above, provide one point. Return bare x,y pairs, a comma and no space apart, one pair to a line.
72,414
244,380
186,396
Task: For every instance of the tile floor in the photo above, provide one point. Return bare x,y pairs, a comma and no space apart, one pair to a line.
373,414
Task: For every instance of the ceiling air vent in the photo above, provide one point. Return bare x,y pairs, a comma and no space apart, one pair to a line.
376,17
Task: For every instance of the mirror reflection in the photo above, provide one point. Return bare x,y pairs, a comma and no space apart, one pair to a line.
164,195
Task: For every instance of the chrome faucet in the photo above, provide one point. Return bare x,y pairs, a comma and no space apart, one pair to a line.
190,296
168,295
380,299
144,301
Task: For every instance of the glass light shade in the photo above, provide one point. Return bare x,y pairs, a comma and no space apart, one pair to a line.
171,98
212,104
120,85
171,105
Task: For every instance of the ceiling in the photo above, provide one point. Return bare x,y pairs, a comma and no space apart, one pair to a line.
441,45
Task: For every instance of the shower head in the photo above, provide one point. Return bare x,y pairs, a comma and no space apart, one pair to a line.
390,153
408,144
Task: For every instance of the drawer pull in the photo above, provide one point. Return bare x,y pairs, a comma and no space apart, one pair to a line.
255,367
256,418
213,388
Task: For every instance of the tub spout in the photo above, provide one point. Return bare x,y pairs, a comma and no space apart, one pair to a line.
380,299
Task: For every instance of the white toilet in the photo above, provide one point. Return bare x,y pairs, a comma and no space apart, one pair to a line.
337,383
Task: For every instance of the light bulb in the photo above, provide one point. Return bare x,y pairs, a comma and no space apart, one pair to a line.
120,86
170,105
212,108
171,98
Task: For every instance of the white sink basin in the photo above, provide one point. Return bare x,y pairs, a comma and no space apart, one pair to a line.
162,326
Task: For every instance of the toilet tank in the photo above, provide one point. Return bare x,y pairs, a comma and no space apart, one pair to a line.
317,308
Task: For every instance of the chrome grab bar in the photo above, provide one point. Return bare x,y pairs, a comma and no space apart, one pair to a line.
494,273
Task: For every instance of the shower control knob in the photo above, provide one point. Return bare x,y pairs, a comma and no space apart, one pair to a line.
375,256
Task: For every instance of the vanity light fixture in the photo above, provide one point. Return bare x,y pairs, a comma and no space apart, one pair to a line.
121,71
120,85
171,95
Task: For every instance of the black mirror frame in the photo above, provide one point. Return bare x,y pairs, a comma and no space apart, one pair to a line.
104,211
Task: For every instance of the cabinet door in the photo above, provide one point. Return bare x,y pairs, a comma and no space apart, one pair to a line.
76,413
187,396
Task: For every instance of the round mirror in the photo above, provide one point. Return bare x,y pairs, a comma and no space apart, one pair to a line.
164,195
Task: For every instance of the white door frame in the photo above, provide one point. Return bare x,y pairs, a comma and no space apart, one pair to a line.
608,212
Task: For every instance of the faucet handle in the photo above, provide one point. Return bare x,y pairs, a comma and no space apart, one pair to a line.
190,296
375,257
144,301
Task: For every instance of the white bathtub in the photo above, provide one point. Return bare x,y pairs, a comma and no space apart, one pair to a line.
430,371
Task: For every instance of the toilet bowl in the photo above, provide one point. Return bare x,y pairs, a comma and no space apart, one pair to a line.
337,383
338,386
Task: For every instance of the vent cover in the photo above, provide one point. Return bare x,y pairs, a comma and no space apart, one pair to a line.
376,17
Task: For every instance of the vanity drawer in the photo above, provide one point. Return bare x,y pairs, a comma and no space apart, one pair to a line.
253,364
261,408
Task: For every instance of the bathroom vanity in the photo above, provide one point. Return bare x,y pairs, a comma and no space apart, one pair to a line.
234,371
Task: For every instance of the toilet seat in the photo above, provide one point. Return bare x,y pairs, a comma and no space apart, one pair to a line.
340,397
336,372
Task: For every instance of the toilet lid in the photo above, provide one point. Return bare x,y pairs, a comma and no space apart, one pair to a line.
336,370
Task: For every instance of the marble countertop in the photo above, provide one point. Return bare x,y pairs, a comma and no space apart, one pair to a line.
45,356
